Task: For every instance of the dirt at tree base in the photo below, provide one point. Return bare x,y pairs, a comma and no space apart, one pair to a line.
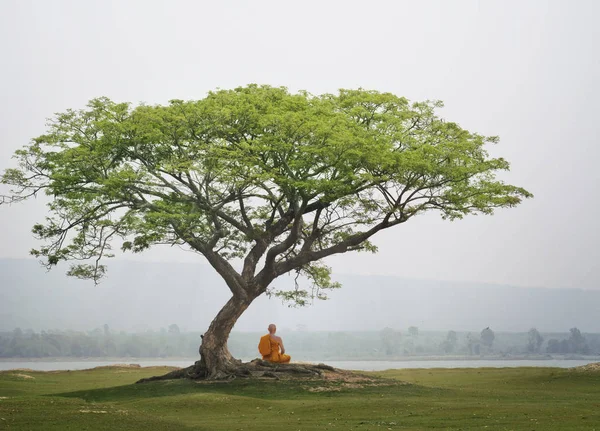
594,366
259,369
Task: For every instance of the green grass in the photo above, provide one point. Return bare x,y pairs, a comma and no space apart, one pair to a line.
450,399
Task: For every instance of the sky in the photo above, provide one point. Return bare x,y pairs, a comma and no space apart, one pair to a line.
525,71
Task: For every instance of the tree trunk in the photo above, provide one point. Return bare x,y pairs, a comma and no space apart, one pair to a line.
215,360
217,363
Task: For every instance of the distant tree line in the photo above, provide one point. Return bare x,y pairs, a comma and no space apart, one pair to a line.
388,343
101,342
576,343
486,343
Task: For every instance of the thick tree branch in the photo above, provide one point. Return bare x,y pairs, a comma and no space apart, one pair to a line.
233,280
304,257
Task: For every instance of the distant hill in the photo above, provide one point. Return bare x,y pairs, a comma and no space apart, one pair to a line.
138,295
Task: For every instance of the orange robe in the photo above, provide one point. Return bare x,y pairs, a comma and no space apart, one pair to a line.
275,355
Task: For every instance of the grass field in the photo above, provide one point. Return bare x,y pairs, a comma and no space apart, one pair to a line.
452,399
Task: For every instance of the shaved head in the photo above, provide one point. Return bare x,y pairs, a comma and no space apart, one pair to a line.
272,328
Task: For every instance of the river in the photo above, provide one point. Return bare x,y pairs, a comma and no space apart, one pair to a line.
349,365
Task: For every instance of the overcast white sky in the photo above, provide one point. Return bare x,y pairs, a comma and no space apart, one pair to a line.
524,70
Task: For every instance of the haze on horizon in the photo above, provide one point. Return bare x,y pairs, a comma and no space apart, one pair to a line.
526,71
139,296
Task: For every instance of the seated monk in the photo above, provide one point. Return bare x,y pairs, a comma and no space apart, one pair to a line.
271,347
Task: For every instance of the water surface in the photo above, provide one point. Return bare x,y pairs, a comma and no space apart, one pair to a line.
349,365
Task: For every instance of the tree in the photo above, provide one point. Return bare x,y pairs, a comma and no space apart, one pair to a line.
487,337
577,342
449,343
535,341
390,341
258,181
473,344
413,331
174,329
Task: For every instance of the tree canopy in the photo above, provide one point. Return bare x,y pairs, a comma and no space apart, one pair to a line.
257,173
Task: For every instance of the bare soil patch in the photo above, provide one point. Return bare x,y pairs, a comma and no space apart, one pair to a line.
23,376
589,367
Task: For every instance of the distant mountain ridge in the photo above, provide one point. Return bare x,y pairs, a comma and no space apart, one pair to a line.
138,295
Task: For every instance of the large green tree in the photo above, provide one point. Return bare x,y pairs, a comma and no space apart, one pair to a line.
257,175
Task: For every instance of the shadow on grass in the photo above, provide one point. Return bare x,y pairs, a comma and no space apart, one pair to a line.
292,389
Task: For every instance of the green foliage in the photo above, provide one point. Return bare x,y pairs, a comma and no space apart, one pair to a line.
535,341
487,337
413,331
576,343
449,344
388,343
98,344
256,173
318,275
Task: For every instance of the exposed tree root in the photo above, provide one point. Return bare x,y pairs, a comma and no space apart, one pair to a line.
253,369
